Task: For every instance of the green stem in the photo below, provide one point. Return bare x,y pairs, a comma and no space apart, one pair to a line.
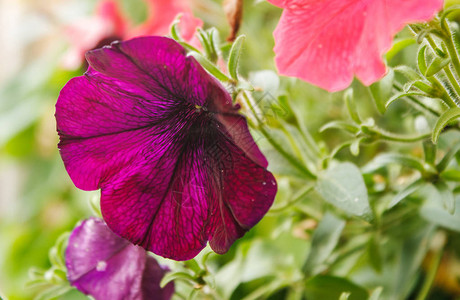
431,275
292,160
307,137
398,217
446,69
309,211
452,79
344,254
295,147
451,49
445,97
281,208
307,154
389,136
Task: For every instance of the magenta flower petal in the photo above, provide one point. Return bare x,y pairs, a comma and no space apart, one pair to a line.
327,42
175,161
101,264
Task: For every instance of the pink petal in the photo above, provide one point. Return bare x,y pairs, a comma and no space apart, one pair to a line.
328,42
161,14
107,24
101,264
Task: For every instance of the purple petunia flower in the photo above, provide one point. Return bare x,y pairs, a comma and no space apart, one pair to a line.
101,264
160,137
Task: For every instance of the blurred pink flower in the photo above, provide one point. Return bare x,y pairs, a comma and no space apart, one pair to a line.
109,24
102,264
162,13
326,42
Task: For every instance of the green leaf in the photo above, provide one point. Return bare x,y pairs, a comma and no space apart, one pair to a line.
374,253
398,45
323,287
411,253
171,276
338,148
385,159
449,10
61,246
422,34
298,144
437,65
447,117
208,40
234,57
279,164
55,258
421,85
447,196
344,296
408,72
429,151
433,211
351,128
411,188
204,41
348,97
404,94
189,47
324,240
375,295
36,283
192,264
381,91
343,186
95,205
214,38
421,60
442,165
265,290
209,66
354,146
36,273
174,30
451,175
53,292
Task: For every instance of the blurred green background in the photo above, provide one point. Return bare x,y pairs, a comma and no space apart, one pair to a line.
38,201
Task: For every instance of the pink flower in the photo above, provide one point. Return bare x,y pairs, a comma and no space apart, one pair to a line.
162,13
326,42
108,24
102,264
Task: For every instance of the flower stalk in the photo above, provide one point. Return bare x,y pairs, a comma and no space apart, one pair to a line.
249,102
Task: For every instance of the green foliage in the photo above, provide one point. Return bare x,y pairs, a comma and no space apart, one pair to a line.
343,186
234,57
329,287
367,178
324,240
52,282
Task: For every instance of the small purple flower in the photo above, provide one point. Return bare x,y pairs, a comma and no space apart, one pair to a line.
160,137
102,264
